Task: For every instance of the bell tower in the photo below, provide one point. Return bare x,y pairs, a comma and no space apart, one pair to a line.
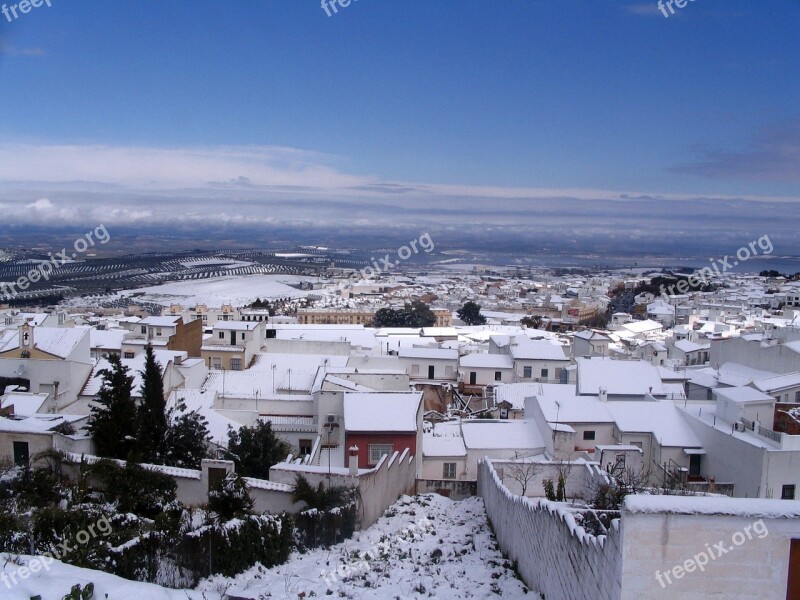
26,337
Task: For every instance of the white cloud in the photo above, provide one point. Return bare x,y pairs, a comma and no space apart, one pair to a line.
41,205
266,170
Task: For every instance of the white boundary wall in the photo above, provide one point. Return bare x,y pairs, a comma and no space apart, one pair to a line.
656,535
554,555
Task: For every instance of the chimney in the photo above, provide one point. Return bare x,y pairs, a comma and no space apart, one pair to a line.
353,463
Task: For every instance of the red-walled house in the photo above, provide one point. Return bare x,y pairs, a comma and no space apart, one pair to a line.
383,423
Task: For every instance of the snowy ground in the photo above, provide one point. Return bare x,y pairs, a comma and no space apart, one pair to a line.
215,292
53,581
429,547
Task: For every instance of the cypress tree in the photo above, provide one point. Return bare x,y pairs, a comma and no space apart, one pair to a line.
112,422
152,417
187,439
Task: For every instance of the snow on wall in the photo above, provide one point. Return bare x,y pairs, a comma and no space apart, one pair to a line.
555,556
381,487
732,548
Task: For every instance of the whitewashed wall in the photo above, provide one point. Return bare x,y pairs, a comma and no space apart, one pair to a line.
655,535
555,556
660,533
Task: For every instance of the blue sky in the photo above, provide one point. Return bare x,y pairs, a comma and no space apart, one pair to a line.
430,101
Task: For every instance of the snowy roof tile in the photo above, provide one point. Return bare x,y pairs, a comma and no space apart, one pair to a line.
618,377
381,412
487,361
483,434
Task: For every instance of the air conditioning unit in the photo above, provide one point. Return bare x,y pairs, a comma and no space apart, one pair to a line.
738,426
333,419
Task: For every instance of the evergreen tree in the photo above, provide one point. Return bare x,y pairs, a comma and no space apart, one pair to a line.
419,314
470,313
231,499
255,449
415,314
387,317
112,422
187,439
152,417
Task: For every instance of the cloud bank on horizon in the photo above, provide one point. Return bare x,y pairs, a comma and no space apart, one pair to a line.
249,187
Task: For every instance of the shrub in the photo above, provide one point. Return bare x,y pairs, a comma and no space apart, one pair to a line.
233,547
135,489
230,499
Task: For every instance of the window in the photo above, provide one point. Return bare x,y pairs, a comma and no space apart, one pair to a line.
637,444
158,332
415,369
787,492
431,372
527,372
236,364
144,329
588,435
243,336
305,447
498,375
376,451
217,362
545,373
222,335
129,355
449,471
797,396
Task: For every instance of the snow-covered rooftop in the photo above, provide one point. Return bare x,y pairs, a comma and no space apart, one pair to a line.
484,434
57,341
574,408
662,419
444,440
24,403
771,384
618,377
528,349
751,508
381,412
743,394
486,361
428,353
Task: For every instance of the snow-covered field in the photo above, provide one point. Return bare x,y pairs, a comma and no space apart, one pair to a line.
237,290
431,547
54,581
427,547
